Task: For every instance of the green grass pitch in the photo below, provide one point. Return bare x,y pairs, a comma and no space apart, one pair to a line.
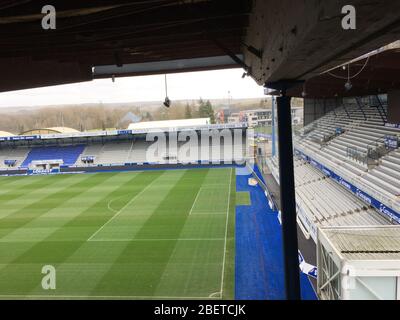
126,235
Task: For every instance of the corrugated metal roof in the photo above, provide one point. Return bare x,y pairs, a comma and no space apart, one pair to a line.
365,243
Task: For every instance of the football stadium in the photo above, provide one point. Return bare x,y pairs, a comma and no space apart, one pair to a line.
115,225
209,207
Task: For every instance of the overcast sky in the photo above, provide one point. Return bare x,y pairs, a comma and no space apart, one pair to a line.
193,85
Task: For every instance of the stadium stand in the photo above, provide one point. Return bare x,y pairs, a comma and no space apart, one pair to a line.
330,203
136,151
122,148
351,140
92,150
322,202
17,154
68,154
114,153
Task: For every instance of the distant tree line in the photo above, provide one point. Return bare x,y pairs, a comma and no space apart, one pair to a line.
100,116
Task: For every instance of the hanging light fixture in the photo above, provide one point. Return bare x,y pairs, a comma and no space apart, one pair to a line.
167,102
348,85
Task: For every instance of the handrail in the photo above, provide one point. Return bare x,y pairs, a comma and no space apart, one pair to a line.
378,148
347,112
360,105
382,107
382,140
326,138
355,154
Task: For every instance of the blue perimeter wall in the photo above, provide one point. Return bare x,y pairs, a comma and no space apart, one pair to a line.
259,260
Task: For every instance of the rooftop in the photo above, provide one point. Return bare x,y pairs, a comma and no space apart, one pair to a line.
365,243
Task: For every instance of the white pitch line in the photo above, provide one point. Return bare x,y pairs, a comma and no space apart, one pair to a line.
199,213
167,239
102,297
122,209
109,205
226,233
195,199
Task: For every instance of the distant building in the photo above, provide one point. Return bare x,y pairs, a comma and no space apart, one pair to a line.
131,118
297,115
259,117
222,115
234,118
237,117
262,117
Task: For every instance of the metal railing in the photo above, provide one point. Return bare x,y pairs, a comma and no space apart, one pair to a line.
271,199
379,147
361,106
381,107
358,155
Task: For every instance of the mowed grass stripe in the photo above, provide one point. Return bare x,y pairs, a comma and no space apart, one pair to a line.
22,275
80,272
8,208
131,216
30,183
140,266
45,224
23,216
121,268
11,180
194,269
9,252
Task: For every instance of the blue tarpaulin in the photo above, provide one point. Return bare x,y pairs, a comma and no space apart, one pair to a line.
259,261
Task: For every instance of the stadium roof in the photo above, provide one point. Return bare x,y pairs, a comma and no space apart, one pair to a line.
6,134
63,129
365,243
169,124
272,40
130,116
50,130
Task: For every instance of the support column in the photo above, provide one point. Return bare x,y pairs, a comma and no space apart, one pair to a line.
288,200
273,127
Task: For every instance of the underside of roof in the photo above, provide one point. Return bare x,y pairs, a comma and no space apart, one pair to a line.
272,40
117,33
375,74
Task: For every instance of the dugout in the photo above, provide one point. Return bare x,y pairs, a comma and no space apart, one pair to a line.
46,165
